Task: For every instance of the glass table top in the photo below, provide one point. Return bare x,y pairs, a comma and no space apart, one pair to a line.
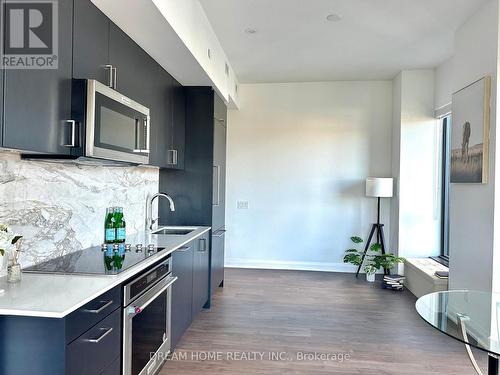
477,312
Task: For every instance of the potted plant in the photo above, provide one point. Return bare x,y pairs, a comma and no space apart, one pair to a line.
10,246
374,259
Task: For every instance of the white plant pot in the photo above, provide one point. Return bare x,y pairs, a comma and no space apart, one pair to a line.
2,273
370,278
3,264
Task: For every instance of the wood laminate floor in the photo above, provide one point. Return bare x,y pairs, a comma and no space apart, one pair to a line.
289,313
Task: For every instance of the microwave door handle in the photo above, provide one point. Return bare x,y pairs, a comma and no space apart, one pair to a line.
144,131
137,147
147,129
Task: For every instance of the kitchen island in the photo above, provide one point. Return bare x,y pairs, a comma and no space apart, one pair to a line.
59,316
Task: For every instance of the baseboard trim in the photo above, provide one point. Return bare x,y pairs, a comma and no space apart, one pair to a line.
289,265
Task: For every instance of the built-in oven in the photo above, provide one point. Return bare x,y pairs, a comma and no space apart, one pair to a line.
117,127
146,320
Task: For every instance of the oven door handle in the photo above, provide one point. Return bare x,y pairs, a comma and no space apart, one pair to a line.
137,309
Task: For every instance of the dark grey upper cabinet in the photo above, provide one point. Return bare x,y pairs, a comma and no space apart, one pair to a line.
178,125
1,105
133,66
90,43
169,127
2,6
38,102
36,113
142,79
161,117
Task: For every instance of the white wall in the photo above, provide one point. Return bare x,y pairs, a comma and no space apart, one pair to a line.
472,236
415,208
396,155
299,153
444,83
419,199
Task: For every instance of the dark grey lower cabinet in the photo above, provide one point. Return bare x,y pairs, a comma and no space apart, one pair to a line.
96,349
48,346
182,291
201,272
190,293
217,260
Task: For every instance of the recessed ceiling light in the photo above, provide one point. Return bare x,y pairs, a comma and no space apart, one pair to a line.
334,17
251,31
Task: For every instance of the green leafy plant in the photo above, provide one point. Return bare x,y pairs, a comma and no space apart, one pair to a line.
374,259
7,239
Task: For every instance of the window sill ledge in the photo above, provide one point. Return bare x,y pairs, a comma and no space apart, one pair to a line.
441,260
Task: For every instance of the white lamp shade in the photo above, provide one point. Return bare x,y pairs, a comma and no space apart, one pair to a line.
379,187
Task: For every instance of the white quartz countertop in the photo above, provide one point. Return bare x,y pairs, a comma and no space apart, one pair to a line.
55,296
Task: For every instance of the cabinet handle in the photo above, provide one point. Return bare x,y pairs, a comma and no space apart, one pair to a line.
110,74
204,242
167,283
107,332
183,249
220,233
100,309
222,121
146,125
172,157
137,136
72,142
143,149
216,199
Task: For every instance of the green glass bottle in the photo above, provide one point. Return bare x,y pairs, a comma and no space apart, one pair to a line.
109,226
120,225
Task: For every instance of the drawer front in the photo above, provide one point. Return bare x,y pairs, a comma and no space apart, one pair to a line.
88,315
97,349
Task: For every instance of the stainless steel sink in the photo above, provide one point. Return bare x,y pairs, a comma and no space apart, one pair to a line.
174,231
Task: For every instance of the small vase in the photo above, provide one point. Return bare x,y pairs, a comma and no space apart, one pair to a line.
14,273
370,277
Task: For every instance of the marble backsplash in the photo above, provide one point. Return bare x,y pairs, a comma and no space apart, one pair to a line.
59,207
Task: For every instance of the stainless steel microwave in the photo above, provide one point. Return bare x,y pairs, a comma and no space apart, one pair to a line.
116,127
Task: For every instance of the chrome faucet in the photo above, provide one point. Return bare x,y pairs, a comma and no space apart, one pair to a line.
150,222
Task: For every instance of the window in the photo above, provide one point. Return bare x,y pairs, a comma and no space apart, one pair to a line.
445,191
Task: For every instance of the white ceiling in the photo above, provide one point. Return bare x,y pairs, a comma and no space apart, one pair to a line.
374,40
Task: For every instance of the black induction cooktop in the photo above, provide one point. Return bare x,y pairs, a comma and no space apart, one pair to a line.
94,261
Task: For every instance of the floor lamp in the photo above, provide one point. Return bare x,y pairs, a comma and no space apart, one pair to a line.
377,187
